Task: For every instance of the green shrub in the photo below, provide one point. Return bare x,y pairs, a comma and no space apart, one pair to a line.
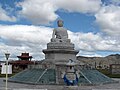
107,73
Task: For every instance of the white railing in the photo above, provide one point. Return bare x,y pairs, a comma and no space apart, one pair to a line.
41,75
86,78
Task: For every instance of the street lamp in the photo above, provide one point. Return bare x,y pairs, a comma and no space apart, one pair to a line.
7,56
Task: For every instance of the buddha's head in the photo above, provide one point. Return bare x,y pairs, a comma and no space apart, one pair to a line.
60,23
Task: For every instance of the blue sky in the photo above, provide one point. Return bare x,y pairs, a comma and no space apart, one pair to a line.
26,25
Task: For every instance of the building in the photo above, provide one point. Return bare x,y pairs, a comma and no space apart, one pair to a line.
115,68
25,56
22,63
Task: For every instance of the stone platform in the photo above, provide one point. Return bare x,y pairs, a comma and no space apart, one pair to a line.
18,86
70,88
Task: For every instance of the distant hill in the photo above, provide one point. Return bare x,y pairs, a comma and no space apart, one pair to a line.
100,61
115,56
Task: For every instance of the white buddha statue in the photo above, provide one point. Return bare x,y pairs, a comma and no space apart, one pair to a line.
60,34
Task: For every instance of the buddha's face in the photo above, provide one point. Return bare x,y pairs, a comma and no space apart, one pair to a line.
60,23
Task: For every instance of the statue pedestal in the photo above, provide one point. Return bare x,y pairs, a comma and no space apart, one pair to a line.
70,88
58,51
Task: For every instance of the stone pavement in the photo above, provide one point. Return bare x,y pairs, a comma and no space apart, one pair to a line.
18,86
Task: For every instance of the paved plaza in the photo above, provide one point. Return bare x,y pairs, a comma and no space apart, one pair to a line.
18,86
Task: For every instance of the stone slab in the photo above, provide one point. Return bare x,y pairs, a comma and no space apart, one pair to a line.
70,88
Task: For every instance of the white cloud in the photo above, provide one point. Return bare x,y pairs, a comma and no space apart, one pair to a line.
38,11
84,6
109,19
43,11
95,42
23,38
89,54
115,2
25,33
5,17
33,39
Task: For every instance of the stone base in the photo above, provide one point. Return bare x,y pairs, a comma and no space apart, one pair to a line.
70,88
59,54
